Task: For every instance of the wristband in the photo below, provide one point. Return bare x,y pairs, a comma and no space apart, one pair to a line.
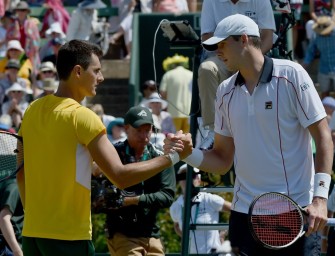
321,184
195,159
174,157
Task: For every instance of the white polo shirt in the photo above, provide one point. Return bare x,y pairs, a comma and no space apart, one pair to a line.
213,11
272,143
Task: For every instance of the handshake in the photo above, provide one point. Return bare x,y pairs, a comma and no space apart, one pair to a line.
180,143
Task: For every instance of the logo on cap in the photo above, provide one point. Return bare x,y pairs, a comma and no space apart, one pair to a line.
142,113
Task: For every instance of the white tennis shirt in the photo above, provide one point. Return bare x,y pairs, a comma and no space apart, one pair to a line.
272,143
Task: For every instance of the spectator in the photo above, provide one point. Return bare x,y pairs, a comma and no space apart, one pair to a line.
296,6
16,104
115,130
329,105
175,88
164,119
147,88
205,209
11,77
6,123
84,20
171,6
271,103
29,33
10,23
55,13
318,8
56,44
212,71
99,110
53,32
11,218
46,70
50,86
16,52
323,42
126,19
133,228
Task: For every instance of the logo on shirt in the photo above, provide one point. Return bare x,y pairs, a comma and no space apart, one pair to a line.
142,113
304,86
268,105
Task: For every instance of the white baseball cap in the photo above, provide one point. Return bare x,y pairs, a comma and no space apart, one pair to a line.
233,25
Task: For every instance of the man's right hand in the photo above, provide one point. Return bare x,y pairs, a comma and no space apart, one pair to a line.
179,142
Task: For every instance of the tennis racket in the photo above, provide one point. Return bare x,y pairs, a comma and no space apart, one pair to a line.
11,155
276,221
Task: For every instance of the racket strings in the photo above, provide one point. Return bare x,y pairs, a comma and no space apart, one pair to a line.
9,155
276,221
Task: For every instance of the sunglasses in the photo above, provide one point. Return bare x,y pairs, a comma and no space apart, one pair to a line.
16,91
47,72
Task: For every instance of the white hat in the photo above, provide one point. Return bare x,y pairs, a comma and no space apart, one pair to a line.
50,84
14,44
15,87
46,66
55,28
92,4
233,25
154,97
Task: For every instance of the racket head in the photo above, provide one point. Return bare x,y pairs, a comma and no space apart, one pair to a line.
275,220
11,154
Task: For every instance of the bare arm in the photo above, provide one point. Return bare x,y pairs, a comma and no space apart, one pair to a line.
8,231
219,159
226,206
177,229
267,40
192,5
323,164
123,176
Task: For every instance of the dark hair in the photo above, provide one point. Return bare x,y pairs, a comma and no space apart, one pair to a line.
149,84
75,52
255,40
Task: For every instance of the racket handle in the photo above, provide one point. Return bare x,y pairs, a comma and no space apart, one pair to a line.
331,222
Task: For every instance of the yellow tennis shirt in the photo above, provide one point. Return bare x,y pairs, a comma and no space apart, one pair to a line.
57,166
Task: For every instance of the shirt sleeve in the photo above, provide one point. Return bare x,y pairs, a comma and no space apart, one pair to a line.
88,125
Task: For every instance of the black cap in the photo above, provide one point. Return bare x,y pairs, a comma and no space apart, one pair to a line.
137,116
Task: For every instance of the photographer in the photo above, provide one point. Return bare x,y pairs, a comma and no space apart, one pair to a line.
132,223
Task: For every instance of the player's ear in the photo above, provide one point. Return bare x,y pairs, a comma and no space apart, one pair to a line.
77,70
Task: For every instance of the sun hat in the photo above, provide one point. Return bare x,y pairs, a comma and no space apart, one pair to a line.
137,116
176,59
47,66
50,84
14,44
22,5
329,102
13,63
92,4
154,97
15,87
324,25
55,28
119,121
233,25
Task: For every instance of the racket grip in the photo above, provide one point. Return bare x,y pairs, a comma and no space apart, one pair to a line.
331,222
